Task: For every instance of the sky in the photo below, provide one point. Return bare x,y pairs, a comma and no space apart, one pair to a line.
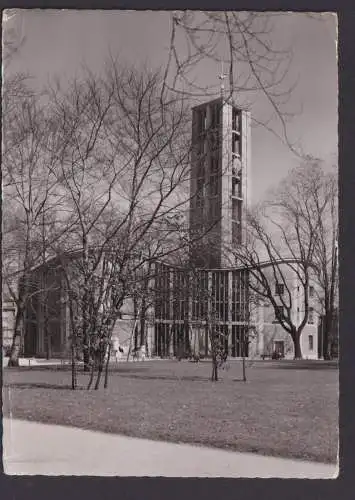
58,42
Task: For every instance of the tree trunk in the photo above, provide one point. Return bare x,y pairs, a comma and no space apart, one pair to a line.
244,370
243,358
297,345
47,335
101,359
86,359
73,366
86,337
99,373
146,345
187,345
16,339
49,346
142,323
214,376
135,343
107,364
91,376
326,330
73,348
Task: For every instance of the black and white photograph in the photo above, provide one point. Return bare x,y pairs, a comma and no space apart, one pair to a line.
170,278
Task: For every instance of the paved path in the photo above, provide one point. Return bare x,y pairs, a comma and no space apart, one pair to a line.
34,448
34,361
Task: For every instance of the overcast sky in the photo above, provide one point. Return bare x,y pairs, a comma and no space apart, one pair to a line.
57,42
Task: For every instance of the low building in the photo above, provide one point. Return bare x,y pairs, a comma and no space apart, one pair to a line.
189,303
185,306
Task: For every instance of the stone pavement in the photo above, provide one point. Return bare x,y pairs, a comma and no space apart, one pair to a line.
35,448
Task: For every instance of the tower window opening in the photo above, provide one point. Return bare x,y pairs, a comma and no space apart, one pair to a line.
237,210
200,186
236,120
236,167
234,172
200,168
236,187
236,233
235,145
200,202
215,116
214,140
199,148
213,185
201,121
214,209
200,194
214,163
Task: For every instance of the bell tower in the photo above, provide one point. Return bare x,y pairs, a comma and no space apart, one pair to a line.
220,165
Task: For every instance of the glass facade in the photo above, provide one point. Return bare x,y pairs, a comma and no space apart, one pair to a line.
190,304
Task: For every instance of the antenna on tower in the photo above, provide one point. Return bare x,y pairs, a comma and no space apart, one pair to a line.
222,77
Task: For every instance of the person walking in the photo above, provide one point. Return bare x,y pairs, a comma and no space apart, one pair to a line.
116,348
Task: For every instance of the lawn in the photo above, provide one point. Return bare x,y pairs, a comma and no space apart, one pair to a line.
284,409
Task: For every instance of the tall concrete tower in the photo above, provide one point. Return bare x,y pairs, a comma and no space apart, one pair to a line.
219,181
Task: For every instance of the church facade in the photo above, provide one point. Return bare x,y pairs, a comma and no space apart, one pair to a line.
209,293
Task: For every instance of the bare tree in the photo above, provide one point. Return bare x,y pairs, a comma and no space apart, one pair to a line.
275,254
255,65
32,203
293,236
86,174
309,194
122,162
14,84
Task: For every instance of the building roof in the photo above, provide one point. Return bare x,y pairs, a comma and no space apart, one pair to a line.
221,100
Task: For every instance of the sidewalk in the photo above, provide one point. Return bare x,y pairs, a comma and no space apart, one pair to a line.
36,361
59,362
33,448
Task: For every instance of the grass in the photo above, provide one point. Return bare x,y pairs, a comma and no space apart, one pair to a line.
289,412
